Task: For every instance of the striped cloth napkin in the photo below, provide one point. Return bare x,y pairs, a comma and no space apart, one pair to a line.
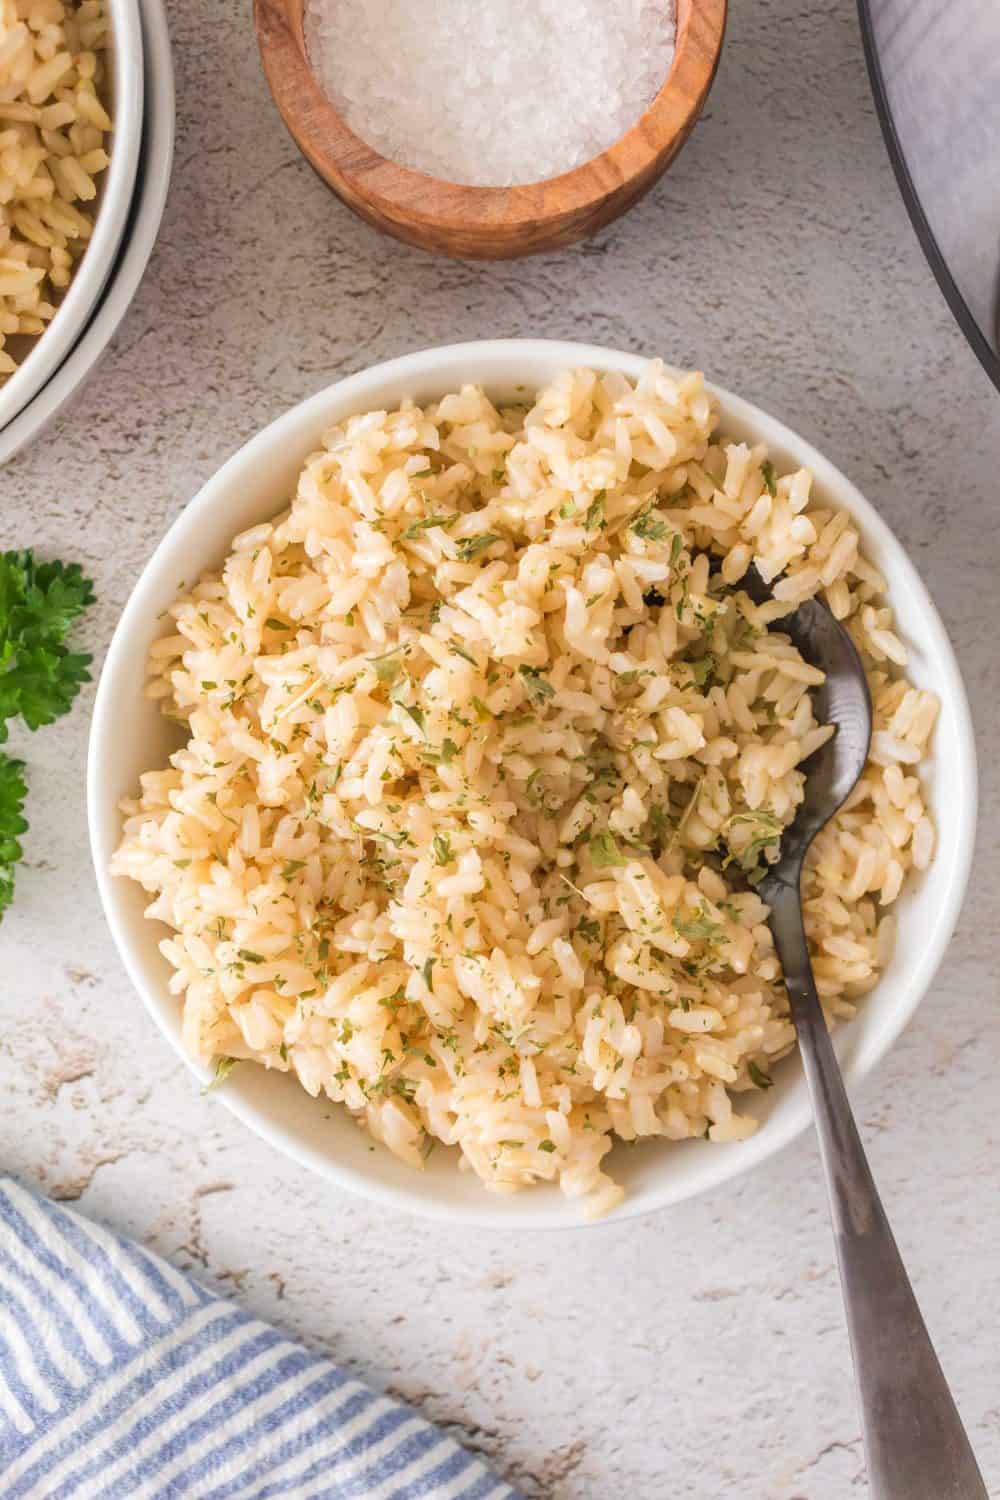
121,1379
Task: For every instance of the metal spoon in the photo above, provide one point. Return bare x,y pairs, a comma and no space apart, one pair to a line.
915,1444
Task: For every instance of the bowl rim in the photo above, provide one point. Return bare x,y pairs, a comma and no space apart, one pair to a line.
145,214
55,343
436,205
354,391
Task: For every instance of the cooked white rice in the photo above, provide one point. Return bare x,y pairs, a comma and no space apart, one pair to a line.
475,742
53,132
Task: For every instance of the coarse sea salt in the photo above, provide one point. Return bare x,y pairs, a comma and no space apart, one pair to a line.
490,92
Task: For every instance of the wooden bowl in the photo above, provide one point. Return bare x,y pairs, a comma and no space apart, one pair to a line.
489,223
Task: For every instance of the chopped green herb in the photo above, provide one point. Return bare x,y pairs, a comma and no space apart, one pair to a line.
461,651
699,928
273,624
604,852
471,546
759,1077
546,1145
442,849
537,687
387,666
428,973
223,1068
703,670
249,957
417,715
765,832
767,474
427,524
482,712
645,526
594,519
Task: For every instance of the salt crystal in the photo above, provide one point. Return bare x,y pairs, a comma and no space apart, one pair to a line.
490,92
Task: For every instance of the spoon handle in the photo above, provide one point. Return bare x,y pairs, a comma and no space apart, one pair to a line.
915,1445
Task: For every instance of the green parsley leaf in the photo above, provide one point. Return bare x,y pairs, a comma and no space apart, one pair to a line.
223,1068
428,973
471,546
536,686
675,548
647,528
39,677
40,600
594,519
699,928
546,1146
759,1077
461,651
482,712
13,791
702,670
767,474
765,832
442,848
387,666
427,524
249,957
417,715
273,624
604,852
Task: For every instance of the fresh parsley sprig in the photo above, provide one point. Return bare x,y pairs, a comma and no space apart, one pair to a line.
39,675
13,790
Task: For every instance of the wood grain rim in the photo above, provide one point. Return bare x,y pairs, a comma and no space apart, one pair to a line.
428,209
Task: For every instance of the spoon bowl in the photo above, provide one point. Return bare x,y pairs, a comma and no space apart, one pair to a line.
843,700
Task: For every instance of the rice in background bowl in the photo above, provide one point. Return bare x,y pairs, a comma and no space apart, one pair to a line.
54,130
649,1182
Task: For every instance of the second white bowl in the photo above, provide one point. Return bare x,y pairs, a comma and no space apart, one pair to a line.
148,202
129,736
116,193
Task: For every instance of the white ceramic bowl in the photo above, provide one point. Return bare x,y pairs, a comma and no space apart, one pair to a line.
116,193
129,736
152,182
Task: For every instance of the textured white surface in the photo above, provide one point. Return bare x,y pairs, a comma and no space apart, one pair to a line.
700,1353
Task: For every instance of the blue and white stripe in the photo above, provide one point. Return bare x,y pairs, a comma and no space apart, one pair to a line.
121,1379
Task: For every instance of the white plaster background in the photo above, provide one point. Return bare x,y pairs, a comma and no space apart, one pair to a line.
700,1353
